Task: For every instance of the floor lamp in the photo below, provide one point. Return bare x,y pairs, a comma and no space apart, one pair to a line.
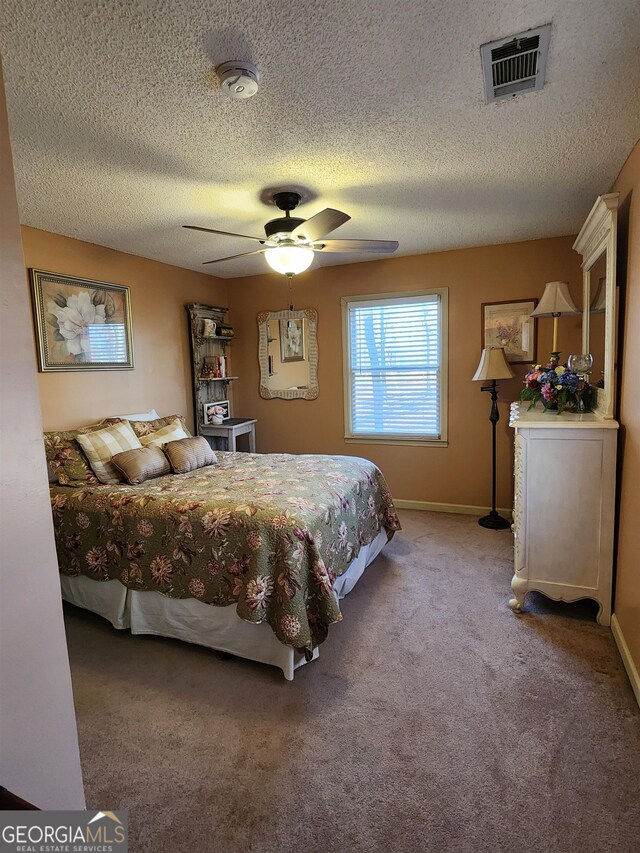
493,366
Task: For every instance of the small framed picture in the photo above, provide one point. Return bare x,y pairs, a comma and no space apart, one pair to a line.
292,342
216,412
510,326
208,328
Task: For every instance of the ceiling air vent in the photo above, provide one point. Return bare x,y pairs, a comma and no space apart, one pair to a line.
515,64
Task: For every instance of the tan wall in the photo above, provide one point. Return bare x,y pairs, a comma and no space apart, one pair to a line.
627,603
161,378
38,737
460,473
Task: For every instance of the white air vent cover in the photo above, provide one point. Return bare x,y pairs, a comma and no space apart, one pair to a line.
515,64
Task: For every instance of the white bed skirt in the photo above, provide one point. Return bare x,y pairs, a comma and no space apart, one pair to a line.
190,620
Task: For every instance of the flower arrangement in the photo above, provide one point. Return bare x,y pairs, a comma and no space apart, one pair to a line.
557,386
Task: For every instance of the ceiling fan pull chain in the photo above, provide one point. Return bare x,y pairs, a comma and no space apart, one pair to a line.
290,280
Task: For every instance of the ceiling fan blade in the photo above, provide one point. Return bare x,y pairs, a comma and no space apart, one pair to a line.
226,233
320,224
231,257
356,246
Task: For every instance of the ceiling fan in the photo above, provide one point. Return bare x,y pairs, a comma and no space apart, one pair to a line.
291,242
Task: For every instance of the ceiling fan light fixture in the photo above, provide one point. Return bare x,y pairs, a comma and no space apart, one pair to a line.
289,260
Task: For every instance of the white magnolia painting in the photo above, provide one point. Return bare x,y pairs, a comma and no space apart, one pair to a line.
81,324
292,341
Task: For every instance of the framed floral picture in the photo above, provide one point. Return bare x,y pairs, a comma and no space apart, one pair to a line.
215,413
81,324
510,326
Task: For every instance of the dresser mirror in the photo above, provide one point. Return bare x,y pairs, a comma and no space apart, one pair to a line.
597,310
596,242
288,354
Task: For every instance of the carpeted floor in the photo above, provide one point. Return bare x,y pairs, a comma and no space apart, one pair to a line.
434,720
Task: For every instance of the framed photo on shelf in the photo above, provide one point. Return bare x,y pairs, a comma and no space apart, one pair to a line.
292,342
81,324
509,325
219,409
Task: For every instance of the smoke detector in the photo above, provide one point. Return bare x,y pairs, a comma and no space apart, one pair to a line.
238,80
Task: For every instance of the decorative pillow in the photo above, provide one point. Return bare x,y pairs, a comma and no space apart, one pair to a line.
143,463
66,461
171,432
101,446
187,454
144,416
146,427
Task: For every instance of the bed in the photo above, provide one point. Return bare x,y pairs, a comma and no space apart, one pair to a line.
250,555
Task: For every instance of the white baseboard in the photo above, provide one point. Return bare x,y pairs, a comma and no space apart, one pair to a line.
625,654
461,509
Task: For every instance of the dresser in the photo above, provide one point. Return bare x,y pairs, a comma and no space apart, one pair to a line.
564,497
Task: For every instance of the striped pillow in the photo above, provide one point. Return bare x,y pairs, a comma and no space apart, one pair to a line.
171,432
102,446
143,463
188,454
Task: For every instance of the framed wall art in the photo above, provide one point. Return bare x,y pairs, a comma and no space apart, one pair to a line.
508,325
216,412
81,324
292,342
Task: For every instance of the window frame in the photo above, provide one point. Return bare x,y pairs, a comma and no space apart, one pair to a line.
401,439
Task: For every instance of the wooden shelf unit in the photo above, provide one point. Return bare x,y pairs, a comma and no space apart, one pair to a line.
214,389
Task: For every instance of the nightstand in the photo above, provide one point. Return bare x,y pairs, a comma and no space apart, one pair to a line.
228,431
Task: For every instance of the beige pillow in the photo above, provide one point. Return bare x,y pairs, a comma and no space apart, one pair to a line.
143,463
187,454
171,432
101,446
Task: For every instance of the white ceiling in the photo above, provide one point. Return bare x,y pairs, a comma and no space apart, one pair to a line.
120,134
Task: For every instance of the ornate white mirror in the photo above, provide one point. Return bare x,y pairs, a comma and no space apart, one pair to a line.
596,242
288,354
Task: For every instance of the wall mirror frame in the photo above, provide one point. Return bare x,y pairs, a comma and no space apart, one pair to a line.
597,239
309,316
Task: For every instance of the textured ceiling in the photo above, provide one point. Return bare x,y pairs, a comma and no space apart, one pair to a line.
120,133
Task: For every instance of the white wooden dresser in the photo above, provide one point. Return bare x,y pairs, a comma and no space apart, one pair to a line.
564,497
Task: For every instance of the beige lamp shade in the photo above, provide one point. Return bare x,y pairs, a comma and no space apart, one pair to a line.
493,365
556,301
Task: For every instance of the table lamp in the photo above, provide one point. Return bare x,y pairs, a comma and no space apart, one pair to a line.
493,366
556,302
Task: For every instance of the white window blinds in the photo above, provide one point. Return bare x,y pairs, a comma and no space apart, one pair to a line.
394,369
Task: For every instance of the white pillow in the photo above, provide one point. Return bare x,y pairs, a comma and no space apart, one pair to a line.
144,416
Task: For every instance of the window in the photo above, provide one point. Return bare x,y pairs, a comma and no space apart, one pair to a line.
395,367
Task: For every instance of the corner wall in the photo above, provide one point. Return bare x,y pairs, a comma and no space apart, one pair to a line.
161,378
627,600
38,737
460,473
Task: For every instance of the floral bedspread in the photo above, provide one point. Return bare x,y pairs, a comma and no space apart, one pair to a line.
267,532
